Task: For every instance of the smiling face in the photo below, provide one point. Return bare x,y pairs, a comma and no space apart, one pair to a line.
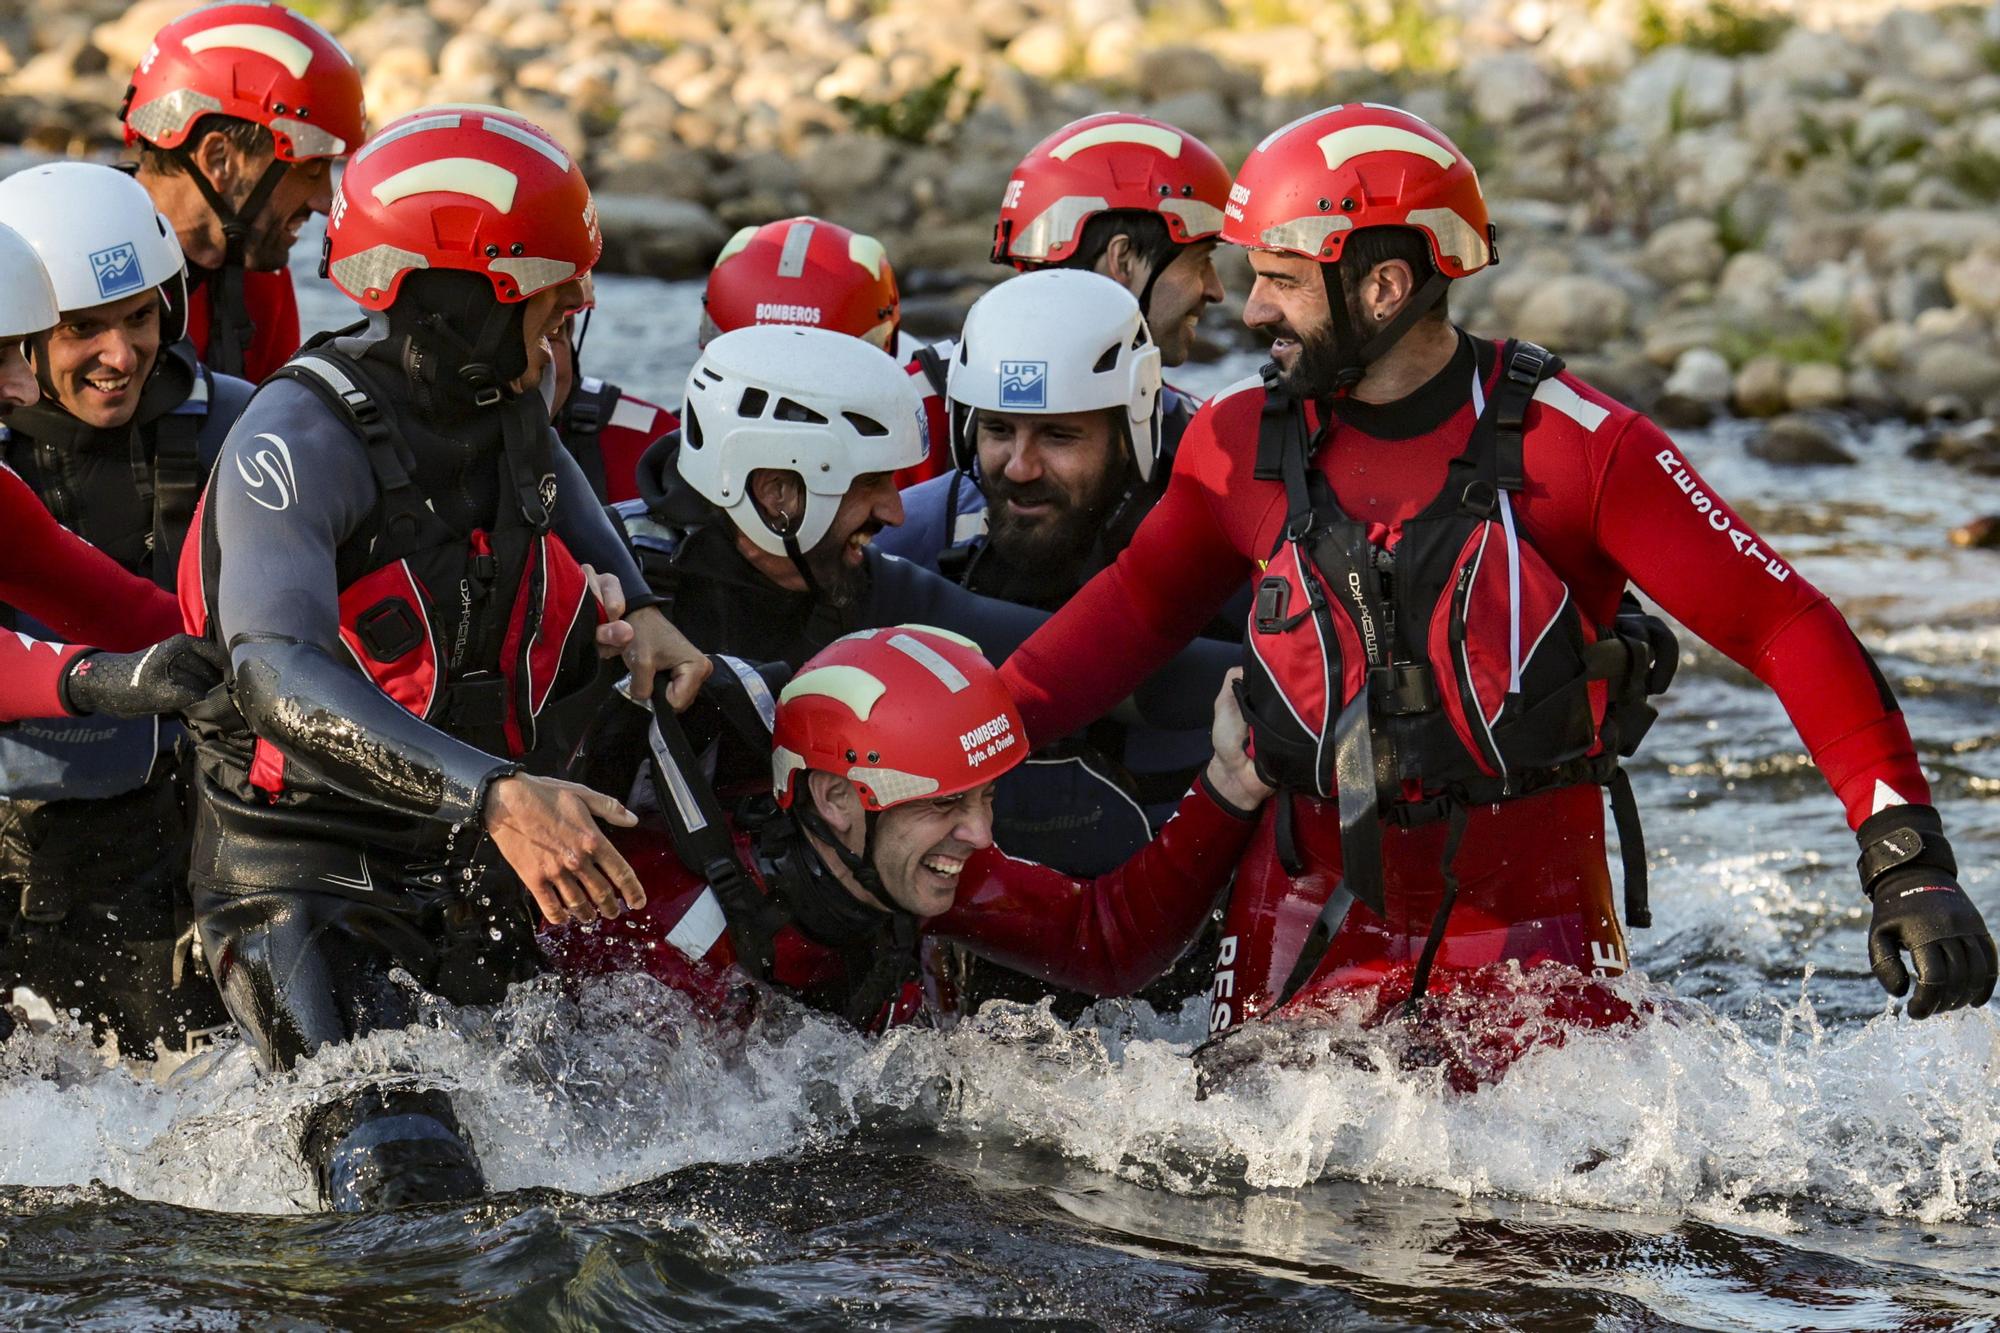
542,323
1288,304
98,359
304,190
1047,479
1185,288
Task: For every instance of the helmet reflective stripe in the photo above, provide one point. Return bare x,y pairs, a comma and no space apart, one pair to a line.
309,140
1198,216
282,47
163,115
850,685
822,405
27,301
556,156
954,679
792,259
1308,233
1057,341
1344,145
1057,225
867,252
375,268
417,126
1455,236
485,181
1153,136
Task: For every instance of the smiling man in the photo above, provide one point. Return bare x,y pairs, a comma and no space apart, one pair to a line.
127,426
1442,672
239,113
885,752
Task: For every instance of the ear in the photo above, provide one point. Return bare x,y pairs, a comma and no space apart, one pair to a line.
1121,263
1389,285
838,803
778,494
215,156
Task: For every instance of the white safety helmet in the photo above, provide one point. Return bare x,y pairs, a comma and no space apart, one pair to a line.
27,301
98,235
1055,341
822,404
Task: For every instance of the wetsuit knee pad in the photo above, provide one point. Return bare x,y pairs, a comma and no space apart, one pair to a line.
399,1149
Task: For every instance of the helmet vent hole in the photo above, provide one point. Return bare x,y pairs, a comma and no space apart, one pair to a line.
753,403
1106,362
711,374
690,427
867,426
789,410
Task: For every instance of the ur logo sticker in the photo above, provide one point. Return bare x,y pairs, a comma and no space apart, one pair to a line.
117,271
1024,384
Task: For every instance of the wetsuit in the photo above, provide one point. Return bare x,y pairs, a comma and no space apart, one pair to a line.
1107,935
608,430
270,315
429,541
82,594
78,897
929,364
1608,498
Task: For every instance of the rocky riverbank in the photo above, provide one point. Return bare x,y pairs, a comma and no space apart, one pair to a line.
1774,211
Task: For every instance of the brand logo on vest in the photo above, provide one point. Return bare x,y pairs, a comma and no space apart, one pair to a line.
268,473
1024,385
1362,616
117,270
547,488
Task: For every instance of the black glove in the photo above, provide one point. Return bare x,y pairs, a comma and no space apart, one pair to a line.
171,675
1636,623
1912,877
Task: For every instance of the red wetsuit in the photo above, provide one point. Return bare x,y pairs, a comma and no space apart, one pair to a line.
1609,499
918,361
274,309
76,590
1107,935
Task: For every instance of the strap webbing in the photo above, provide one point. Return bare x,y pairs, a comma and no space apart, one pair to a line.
1421,982
1631,850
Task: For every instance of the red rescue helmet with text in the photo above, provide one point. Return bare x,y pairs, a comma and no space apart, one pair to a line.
1309,186
1110,162
807,271
256,62
906,713
460,187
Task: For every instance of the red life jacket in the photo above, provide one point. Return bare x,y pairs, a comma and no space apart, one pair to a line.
480,632
1448,667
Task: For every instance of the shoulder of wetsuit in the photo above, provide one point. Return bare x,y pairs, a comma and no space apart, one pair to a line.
227,397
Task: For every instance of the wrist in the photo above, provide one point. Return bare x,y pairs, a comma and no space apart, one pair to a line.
66,679
1236,789
487,798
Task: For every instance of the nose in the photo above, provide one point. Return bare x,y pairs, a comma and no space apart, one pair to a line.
115,351
17,379
1024,460
888,509
1259,310
1211,283
975,826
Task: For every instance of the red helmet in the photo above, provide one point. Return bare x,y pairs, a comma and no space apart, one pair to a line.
253,61
803,271
1312,184
1105,163
464,187
905,713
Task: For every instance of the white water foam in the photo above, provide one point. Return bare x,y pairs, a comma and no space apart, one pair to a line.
1683,1113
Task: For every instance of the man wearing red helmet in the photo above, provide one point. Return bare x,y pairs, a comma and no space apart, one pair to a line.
1438,532
239,112
885,751
391,553
605,427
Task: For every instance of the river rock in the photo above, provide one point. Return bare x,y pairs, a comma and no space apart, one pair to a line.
1687,250
1759,390
1111,52
1171,70
125,40
1201,112
1696,391
1953,370
1904,237
1979,534
668,238
1676,84
1812,61
1504,87
1891,133
1796,440
1974,281
1813,385
1574,313
1973,446
1044,51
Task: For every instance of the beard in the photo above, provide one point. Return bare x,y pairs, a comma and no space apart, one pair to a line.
840,582
1040,558
1323,357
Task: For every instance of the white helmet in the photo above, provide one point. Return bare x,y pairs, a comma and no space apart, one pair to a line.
1057,340
27,302
822,404
98,235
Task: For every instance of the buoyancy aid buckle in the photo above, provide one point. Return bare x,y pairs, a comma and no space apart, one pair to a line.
1274,599
1480,498
479,699
1403,689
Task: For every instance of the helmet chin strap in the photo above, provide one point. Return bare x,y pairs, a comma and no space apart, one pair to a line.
1355,365
229,325
860,865
784,527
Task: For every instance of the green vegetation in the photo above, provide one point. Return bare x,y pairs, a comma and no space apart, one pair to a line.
1738,234
918,115
1724,28
1825,338
1423,37
1975,172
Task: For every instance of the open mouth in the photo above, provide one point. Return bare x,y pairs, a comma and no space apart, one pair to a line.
944,867
108,386
856,547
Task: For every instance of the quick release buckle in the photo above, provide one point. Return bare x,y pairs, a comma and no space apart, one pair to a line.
1274,600
1403,689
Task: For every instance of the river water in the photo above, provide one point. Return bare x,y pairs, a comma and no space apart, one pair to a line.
1774,1148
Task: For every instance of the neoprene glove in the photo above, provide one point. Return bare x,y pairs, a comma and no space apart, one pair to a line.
172,675
1911,876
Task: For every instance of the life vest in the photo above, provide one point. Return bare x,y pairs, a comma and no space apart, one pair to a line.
480,631
608,430
1447,669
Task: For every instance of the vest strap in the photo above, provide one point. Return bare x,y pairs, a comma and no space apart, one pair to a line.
176,479
1525,367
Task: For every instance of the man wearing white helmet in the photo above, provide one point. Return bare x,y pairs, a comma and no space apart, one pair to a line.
102,409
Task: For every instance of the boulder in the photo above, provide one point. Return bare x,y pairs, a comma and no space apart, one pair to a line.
124,40
1760,387
664,22
1813,385
1698,389
1812,61
667,238
1952,370
1044,51
1687,250
1676,87
1574,313
1974,281
1902,237
1168,71
471,58
1891,133
1504,87
1750,283
1979,534
1795,440
1111,52
1201,112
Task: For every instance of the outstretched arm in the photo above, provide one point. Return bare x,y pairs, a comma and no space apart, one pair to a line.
1114,933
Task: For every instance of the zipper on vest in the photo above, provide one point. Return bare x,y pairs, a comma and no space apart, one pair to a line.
1468,699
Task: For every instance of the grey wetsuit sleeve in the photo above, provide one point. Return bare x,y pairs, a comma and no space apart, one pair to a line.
588,532
291,485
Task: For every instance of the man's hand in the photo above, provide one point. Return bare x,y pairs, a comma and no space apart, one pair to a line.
1231,772
174,674
1910,874
658,647
614,636
547,830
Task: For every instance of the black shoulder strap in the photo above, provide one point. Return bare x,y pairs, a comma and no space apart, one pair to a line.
579,424
1523,368
933,365
1283,444
176,486
333,376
